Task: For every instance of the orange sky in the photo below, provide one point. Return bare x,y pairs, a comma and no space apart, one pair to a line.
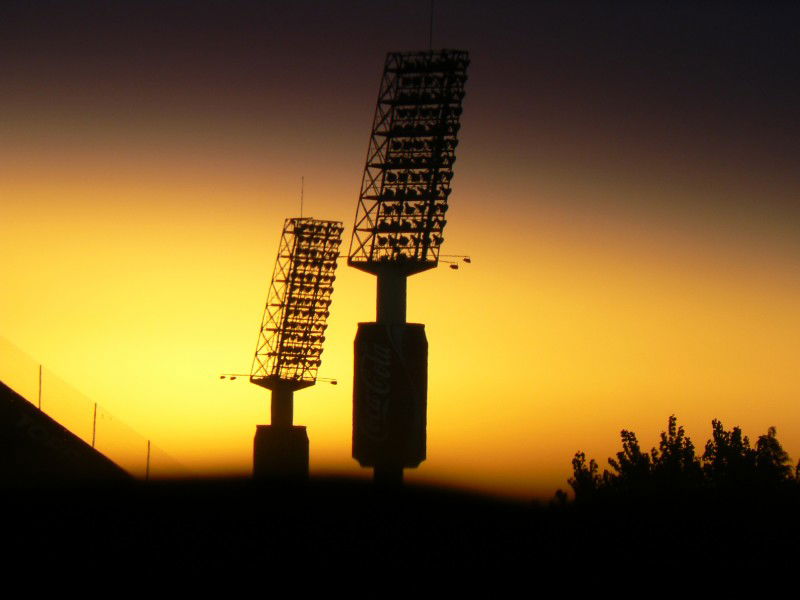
627,263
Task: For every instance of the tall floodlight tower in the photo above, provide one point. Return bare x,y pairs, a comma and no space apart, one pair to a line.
290,341
398,232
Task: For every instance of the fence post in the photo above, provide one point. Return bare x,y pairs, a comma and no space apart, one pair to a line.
147,466
94,424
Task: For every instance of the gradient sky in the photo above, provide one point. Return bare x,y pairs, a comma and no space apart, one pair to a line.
627,184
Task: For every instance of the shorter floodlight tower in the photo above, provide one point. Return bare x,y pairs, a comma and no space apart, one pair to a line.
290,341
398,232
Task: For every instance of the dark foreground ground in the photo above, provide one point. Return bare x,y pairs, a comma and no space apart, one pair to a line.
234,526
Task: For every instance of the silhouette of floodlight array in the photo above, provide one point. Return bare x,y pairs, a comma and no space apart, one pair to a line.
401,210
398,232
293,327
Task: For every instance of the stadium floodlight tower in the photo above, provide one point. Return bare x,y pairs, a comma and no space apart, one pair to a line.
290,341
398,232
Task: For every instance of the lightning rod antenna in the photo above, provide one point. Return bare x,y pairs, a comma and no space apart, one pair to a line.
430,29
302,185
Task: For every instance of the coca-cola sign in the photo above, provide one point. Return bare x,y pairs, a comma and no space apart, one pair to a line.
390,394
376,382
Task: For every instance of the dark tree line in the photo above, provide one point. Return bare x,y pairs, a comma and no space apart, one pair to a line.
727,462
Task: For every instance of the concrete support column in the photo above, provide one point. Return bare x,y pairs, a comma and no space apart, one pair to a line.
280,450
391,303
280,454
282,407
391,310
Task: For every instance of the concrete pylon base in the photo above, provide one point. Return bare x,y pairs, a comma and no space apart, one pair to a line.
280,453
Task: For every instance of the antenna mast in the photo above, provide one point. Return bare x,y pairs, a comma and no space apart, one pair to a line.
430,29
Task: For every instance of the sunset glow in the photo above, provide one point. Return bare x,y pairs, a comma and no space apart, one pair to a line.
634,250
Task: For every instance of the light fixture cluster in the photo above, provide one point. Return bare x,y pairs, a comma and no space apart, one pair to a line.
292,330
406,184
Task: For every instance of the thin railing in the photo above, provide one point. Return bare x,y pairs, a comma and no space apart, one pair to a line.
85,418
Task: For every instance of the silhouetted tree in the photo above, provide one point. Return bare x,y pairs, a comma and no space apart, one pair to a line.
584,481
674,462
672,465
732,507
772,461
728,460
632,466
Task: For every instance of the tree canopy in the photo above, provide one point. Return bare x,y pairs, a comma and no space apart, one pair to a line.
728,461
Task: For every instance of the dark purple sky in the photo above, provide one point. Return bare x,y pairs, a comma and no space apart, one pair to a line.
673,95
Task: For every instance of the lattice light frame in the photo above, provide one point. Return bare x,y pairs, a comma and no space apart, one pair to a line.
293,327
401,210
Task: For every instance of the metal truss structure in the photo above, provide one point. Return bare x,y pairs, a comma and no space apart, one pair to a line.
293,327
401,210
